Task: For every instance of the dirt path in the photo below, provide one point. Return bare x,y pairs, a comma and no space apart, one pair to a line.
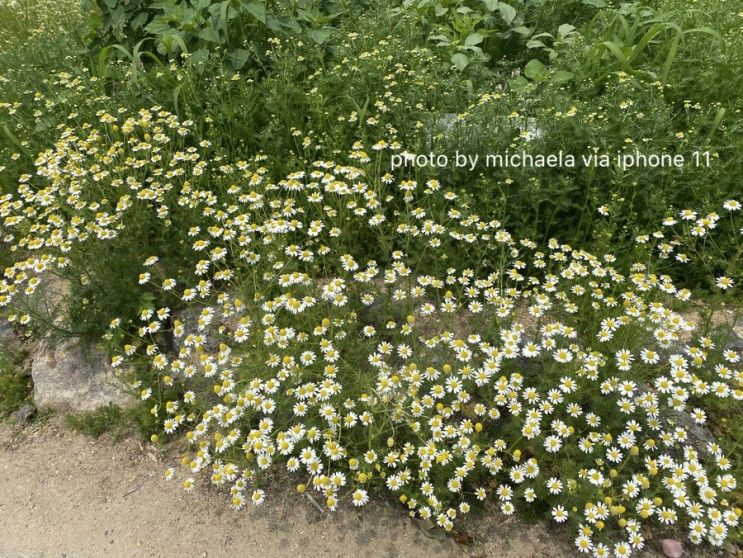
64,494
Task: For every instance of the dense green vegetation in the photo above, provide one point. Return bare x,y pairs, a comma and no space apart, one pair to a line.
219,184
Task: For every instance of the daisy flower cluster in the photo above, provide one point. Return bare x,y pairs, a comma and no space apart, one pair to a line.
371,333
687,238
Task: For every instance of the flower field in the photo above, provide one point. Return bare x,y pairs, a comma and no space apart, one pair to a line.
215,182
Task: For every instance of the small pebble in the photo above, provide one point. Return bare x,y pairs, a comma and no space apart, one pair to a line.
24,414
672,548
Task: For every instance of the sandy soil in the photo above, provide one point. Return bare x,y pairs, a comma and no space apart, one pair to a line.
64,494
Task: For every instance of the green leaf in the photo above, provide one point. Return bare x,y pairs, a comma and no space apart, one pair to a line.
595,3
507,12
210,35
139,20
158,26
520,84
565,30
473,39
238,57
618,53
535,70
460,60
257,10
562,76
319,35
430,529
199,55
14,140
716,123
491,5
200,4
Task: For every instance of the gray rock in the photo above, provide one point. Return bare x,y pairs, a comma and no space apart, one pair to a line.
24,414
69,377
7,334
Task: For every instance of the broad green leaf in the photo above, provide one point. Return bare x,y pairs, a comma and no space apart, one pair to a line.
520,84
139,20
535,70
257,10
473,39
117,17
460,60
491,5
565,29
507,12
562,76
158,26
210,35
319,35
595,3
200,4
199,55
238,57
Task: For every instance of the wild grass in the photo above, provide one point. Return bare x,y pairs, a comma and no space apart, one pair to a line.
15,386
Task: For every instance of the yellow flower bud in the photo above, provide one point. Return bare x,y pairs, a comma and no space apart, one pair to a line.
657,501
301,488
478,427
154,438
